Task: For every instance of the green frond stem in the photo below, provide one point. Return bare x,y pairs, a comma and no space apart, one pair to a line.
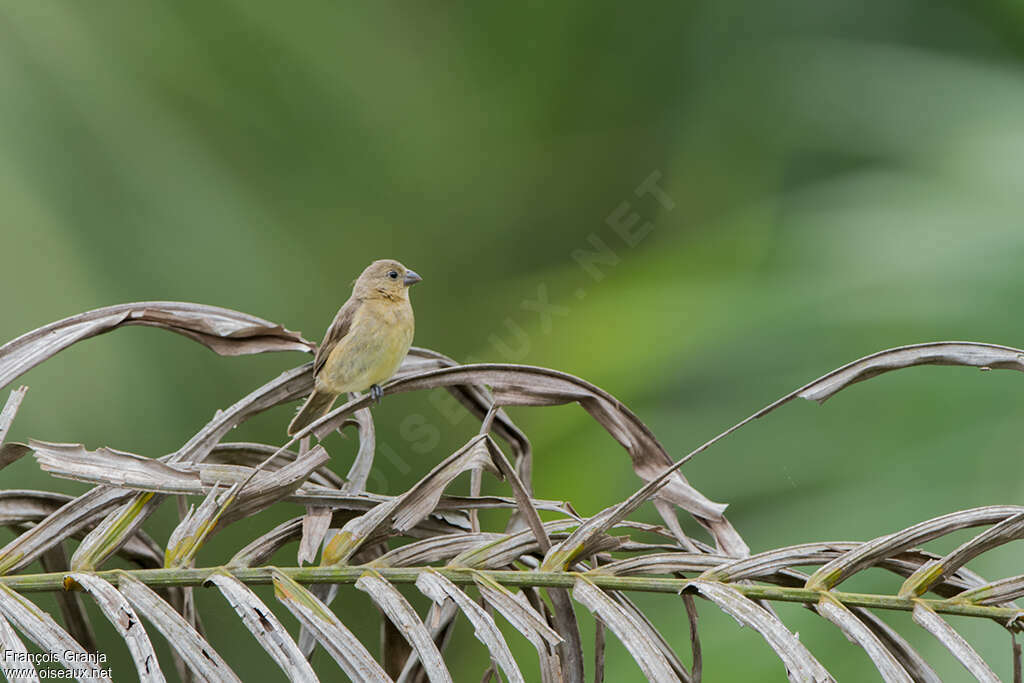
29,583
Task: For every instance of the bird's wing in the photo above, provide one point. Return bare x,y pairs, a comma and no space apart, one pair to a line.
335,333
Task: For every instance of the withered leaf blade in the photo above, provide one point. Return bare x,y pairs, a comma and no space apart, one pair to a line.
201,658
911,660
227,332
10,409
433,550
994,592
114,531
127,623
652,633
955,643
315,616
107,466
265,488
662,563
771,561
11,643
408,509
10,452
859,634
561,555
404,617
929,574
188,536
422,498
22,508
26,505
527,512
111,467
63,522
799,662
438,588
477,399
359,473
259,550
246,454
867,554
265,627
527,621
72,610
315,524
506,549
527,385
646,653
971,354
42,630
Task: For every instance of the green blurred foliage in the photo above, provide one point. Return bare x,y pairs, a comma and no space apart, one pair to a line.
845,176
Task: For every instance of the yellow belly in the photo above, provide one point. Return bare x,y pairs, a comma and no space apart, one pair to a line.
371,352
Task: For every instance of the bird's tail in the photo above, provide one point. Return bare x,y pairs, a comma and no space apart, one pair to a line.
317,405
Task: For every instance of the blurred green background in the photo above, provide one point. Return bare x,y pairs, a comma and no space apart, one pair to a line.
844,177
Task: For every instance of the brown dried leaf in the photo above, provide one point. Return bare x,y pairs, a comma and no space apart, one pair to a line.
227,332
859,634
404,617
799,662
973,354
113,532
913,662
9,452
265,627
42,630
505,550
76,620
477,399
650,632
929,574
524,385
870,553
16,653
518,612
405,511
315,524
188,536
993,593
245,454
359,473
955,643
315,616
645,652
68,519
202,659
127,623
432,550
439,589
9,411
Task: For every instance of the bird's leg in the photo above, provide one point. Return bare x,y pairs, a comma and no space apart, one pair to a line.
376,393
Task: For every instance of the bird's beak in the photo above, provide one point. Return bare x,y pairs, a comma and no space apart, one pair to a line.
411,278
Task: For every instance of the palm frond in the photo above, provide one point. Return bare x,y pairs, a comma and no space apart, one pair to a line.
532,573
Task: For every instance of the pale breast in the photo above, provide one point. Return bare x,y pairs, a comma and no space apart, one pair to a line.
371,352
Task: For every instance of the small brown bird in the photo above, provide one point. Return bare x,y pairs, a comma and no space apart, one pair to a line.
366,342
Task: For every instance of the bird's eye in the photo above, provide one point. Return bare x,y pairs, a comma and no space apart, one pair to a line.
393,274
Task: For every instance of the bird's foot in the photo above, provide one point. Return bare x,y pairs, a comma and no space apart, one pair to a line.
376,393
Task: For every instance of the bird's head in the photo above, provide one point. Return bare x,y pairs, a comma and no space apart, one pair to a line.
386,278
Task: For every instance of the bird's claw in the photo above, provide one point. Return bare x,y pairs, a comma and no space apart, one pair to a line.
376,393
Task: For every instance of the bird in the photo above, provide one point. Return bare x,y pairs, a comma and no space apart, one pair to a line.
369,338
